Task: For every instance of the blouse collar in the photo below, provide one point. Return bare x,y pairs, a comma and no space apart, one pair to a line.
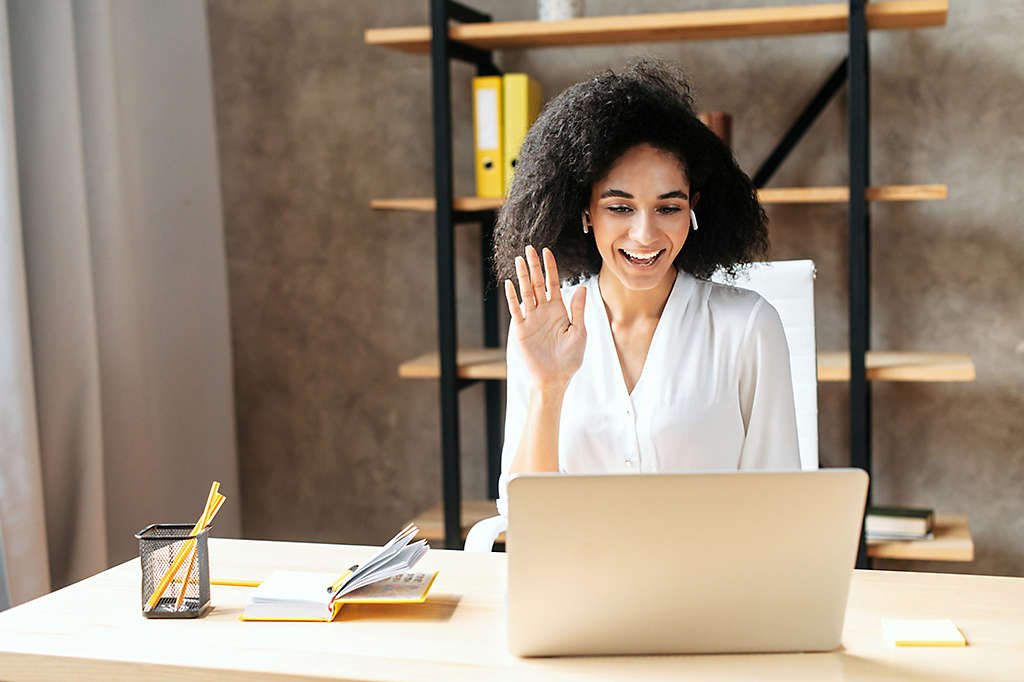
675,308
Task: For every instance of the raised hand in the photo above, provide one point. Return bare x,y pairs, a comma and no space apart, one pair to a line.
551,343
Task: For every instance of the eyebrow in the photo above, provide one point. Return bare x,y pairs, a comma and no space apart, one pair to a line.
674,194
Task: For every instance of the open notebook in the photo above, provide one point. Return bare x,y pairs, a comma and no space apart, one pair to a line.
309,596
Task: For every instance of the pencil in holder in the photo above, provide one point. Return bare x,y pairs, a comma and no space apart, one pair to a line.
160,544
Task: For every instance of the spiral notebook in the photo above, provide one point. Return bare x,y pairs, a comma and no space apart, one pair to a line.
318,596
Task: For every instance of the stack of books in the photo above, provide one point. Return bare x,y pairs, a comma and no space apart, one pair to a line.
899,523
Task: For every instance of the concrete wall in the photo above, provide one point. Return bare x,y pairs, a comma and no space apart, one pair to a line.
329,297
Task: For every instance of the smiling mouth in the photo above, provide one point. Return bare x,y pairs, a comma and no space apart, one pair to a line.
643,259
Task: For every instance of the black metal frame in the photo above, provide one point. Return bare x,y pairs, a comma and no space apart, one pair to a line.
492,389
803,122
860,249
853,70
442,51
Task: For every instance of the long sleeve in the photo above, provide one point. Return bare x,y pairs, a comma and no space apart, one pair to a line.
766,394
516,400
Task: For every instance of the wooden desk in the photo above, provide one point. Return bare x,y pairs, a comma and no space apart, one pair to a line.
94,631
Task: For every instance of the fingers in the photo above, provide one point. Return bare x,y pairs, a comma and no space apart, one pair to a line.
537,283
551,275
577,305
513,302
536,275
525,287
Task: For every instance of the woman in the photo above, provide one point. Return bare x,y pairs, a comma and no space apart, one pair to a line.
646,366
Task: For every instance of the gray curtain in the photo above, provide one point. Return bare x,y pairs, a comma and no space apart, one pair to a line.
115,361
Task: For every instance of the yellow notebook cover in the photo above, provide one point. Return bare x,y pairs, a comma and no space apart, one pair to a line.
487,136
521,104
298,596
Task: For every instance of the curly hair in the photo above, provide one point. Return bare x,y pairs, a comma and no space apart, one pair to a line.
576,140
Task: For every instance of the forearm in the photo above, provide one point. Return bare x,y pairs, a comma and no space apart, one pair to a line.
538,446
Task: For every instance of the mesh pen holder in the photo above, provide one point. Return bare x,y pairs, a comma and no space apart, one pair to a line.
159,544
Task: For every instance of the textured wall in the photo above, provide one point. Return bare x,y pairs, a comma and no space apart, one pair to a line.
328,297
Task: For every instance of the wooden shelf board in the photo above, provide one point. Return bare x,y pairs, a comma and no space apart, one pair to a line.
899,366
639,28
427,204
431,522
489,363
952,542
474,363
780,195
841,195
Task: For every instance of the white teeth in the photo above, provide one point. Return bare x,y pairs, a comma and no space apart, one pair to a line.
641,256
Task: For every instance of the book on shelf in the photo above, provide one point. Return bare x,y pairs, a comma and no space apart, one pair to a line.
899,523
318,596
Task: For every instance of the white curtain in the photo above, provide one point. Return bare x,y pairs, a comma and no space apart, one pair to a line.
115,365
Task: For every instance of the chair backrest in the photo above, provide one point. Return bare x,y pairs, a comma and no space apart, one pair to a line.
789,287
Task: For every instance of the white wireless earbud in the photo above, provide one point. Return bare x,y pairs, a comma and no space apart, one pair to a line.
693,220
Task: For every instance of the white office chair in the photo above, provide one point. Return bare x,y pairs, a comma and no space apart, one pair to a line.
789,287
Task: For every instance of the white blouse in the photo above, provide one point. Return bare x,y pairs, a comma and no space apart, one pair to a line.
715,392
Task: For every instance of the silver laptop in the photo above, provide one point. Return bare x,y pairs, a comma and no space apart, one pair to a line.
681,563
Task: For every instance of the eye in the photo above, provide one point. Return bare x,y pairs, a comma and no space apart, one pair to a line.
669,210
619,208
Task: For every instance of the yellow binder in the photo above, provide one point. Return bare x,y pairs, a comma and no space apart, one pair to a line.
521,106
487,110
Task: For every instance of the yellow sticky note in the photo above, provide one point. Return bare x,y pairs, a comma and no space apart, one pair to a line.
941,632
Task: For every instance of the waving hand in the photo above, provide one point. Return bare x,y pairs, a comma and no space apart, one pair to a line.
551,342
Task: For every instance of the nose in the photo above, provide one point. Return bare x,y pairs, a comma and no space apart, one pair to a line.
643,230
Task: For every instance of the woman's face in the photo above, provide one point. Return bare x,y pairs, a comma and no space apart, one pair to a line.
640,216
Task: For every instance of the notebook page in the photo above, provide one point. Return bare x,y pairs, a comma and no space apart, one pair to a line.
404,588
399,564
394,546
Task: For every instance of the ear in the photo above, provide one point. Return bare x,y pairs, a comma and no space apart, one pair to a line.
694,199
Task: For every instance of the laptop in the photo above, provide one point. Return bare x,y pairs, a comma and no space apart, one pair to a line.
725,562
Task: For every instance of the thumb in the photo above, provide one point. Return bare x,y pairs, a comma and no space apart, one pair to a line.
576,306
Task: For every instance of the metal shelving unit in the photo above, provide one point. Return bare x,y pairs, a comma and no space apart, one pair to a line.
459,32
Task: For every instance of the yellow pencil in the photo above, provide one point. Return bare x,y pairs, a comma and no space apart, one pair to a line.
341,581
236,582
182,554
206,521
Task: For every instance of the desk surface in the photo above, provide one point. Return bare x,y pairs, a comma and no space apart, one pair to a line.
94,630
